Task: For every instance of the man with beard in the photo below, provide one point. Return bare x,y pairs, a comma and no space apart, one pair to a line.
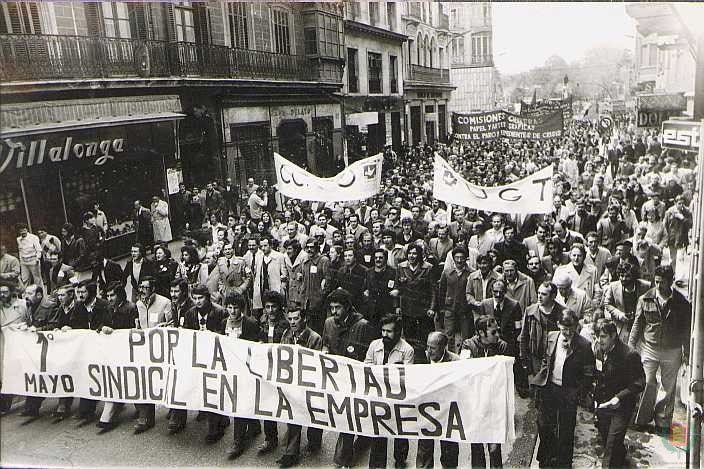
41,316
88,312
299,333
123,315
390,349
487,343
348,334
181,301
205,316
415,288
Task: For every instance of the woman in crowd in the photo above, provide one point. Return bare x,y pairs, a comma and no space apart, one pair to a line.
164,269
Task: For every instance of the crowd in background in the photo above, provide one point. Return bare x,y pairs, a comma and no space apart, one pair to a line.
401,277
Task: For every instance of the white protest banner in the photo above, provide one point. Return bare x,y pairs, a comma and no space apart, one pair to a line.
358,181
532,194
466,401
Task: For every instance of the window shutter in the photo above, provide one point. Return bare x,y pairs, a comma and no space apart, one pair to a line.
170,21
20,18
138,20
201,20
94,19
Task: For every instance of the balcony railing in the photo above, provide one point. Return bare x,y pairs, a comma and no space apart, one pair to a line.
429,75
49,57
486,60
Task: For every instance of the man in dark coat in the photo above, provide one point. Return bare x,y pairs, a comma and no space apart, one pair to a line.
619,381
348,334
105,272
144,231
137,268
379,284
564,380
242,327
300,334
207,316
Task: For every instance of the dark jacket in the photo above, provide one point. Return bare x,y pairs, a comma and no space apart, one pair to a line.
58,276
164,273
123,316
44,316
104,275
80,318
620,374
379,285
279,328
577,371
179,310
147,270
215,320
353,280
350,339
534,333
662,326
74,253
308,338
416,288
509,320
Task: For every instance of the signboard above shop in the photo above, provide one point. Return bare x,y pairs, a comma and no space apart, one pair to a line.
681,135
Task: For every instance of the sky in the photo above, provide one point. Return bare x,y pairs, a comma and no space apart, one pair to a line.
526,34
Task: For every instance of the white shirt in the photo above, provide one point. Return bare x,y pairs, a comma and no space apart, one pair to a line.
136,269
559,363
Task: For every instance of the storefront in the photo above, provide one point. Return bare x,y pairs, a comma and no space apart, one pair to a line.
48,177
309,135
371,123
427,115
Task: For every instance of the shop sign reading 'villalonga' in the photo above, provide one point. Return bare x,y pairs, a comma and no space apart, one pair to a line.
19,155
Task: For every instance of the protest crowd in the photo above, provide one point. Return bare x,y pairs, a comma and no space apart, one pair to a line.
584,298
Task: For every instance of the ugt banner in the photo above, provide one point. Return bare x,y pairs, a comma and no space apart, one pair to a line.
465,401
358,181
533,194
501,124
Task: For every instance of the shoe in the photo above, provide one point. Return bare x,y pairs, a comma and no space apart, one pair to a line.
60,416
268,447
201,416
142,427
105,427
235,452
400,464
174,429
288,460
211,438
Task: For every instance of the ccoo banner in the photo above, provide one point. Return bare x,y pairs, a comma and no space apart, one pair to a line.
533,194
358,181
184,369
489,125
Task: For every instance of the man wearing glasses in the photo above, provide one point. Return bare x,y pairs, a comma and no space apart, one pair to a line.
153,310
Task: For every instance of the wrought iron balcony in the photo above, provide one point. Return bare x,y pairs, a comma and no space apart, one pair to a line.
53,57
429,75
483,60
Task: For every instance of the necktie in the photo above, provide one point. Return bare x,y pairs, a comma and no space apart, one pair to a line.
265,275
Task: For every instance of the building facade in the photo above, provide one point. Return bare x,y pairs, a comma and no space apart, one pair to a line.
473,73
664,63
427,86
374,78
176,91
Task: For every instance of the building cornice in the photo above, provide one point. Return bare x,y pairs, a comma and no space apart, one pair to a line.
375,31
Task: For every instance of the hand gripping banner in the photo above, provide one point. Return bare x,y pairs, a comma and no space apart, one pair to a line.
358,181
532,194
465,401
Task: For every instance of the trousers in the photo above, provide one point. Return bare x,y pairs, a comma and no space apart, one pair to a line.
557,417
668,362
612,427
449,454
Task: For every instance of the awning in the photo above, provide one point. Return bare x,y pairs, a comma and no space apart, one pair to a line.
92,123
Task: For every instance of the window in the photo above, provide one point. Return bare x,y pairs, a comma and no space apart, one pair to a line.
352,71
391,15
393,73
239,24
481,48
116,19
653,55
373,13
322,34
19,18
183,20
459,48
487,11
282,38
374,70
354,10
